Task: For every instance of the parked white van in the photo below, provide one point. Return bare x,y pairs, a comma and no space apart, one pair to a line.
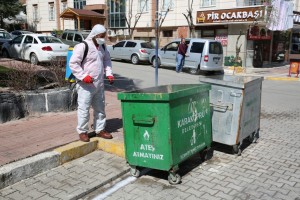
203,55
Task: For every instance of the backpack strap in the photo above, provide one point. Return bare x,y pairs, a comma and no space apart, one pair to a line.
86,49
103,46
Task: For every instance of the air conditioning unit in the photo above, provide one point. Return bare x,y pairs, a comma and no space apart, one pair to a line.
126,32
120,32
111,33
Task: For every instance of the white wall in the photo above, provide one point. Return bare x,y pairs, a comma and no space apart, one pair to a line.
45,25
175,16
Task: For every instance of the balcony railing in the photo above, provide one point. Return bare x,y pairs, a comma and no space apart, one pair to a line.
241,3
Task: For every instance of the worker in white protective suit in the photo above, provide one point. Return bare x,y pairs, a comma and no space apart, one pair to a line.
89,75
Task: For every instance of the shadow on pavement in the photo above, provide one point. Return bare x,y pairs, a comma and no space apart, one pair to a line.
120,84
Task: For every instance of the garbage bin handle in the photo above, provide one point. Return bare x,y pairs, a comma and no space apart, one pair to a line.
143,119
229,106
235,94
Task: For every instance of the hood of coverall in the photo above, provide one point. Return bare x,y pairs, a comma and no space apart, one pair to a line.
97,29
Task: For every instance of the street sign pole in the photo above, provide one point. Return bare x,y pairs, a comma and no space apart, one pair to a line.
156,46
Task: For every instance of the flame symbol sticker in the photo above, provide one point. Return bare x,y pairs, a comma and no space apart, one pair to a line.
146,135
193,139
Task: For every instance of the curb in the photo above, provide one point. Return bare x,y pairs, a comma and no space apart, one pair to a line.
282,78
28,167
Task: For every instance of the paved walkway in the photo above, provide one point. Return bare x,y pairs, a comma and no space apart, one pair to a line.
32,135
35,134
267,170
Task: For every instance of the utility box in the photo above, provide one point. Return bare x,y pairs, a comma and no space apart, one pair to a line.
236,106
165,125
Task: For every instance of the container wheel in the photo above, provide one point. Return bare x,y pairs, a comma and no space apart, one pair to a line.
251,137
174,178
134,172
256,136
206,154
236,149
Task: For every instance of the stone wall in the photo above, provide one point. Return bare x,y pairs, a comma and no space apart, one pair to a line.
18,105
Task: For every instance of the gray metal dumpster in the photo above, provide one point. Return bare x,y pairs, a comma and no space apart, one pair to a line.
235,104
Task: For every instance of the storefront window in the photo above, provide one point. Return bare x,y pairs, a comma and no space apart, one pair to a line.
295,46
280,45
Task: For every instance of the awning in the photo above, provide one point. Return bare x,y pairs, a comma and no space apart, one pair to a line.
72,13
78,14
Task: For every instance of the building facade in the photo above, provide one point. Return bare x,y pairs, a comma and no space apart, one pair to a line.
44,16
240,25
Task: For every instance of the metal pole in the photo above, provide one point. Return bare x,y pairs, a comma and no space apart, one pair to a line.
156,46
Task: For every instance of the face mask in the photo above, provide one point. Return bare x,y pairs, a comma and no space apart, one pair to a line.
100,41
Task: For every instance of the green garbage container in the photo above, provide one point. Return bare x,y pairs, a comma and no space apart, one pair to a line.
165,125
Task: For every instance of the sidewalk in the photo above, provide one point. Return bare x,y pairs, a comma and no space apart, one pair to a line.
52,137
278,73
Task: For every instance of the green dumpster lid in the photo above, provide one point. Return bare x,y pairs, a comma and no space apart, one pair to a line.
164,92
232,81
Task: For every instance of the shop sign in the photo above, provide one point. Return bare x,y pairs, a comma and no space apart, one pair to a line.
223,39
230,15
258,33
296,17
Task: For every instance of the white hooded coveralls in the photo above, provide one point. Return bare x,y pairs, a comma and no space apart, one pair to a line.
96,63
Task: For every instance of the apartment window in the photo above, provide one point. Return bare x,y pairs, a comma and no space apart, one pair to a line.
207,3
51,11
168,4
35,13
117,13
168,33
79,4
143,5
240,3
64,6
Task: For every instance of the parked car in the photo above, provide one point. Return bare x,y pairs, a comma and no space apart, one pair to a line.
73,37
35,48
19,32
203,54
134,50
4,37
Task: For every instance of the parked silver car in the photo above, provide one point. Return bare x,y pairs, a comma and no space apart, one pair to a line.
134,50
73,37
203,54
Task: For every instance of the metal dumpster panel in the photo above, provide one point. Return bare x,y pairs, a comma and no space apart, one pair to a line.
235,105
160,134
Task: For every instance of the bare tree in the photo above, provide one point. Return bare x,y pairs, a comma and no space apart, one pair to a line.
136,17
163,14
238,49
189,18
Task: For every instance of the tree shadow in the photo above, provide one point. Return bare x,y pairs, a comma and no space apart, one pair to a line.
120,84
112,125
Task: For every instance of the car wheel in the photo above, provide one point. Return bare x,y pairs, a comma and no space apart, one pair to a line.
5,54
154,62
34,59
135,59
194,71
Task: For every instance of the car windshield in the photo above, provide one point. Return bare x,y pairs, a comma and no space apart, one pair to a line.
147,45
4,35
48,39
